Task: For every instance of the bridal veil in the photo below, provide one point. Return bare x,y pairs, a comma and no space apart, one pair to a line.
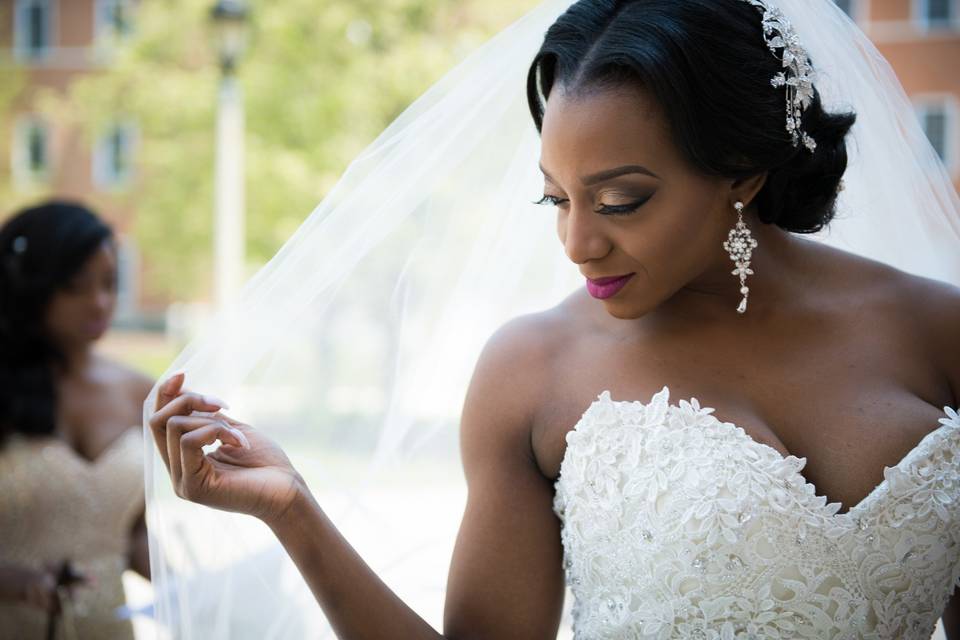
354,345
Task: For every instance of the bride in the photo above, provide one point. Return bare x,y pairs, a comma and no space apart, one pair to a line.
770,446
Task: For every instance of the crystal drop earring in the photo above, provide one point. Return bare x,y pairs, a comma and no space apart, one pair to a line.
740,245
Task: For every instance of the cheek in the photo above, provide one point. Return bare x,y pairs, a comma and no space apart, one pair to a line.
674,246
61,314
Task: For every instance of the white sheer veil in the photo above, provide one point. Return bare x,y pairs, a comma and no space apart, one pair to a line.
353,347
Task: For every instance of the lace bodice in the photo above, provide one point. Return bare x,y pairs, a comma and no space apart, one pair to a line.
678,525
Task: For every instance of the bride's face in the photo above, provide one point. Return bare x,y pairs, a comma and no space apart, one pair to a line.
627,203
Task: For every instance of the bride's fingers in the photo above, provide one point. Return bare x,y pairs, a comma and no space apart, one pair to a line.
183,405
169,390
236,424
160,439
192,457
177,426
166,392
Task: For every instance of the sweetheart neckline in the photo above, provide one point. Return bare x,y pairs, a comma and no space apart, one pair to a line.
88,463
952,420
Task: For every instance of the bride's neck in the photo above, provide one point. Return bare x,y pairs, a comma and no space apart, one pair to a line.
781,265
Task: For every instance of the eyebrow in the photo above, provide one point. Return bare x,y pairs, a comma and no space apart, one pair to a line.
609,174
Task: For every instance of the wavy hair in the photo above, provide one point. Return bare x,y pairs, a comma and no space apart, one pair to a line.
41,248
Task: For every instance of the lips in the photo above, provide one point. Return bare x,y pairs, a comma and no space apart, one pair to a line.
607,287
608,280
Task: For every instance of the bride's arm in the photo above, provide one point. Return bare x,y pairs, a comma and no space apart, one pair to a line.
355,600
506,578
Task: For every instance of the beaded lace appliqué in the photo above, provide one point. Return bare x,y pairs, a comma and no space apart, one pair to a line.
677,525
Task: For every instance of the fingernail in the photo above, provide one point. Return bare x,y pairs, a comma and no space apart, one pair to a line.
240,436
215,400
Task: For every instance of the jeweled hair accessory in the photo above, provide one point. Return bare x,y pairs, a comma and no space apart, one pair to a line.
798,75
19,245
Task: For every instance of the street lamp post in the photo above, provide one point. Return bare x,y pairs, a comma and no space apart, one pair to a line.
230,21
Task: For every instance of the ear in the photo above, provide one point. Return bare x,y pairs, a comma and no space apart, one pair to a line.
746,189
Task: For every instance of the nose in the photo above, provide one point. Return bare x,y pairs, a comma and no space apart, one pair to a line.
581,232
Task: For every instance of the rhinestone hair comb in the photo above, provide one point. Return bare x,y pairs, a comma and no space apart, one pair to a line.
798,74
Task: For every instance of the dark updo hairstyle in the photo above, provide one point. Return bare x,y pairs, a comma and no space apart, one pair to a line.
706,63
41,248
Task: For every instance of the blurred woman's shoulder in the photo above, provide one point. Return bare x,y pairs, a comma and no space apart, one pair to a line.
123,379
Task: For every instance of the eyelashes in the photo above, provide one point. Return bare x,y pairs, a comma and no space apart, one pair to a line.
551,200
610,210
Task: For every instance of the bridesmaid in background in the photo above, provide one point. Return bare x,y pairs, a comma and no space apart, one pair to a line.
71,446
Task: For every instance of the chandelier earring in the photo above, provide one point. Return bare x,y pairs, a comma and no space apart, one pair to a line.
740,245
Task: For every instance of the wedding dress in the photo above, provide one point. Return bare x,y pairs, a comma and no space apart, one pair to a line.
678,525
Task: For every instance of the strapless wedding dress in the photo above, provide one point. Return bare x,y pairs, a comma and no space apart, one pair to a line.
678,525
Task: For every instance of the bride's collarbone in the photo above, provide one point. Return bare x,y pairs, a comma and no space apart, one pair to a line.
867,399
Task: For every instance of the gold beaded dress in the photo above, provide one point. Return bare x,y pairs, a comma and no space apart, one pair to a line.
56,505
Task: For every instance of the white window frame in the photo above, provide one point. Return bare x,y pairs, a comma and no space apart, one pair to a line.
951,107
128,278
23,174
101,30
103,174
21,38
920,8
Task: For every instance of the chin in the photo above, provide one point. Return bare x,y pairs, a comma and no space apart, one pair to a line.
625,311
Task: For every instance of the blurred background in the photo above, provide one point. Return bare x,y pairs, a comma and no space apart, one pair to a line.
206,131
116,103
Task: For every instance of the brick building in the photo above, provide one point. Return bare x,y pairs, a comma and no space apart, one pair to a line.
50,43
921,40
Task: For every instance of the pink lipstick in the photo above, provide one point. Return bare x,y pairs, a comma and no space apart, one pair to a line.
607,287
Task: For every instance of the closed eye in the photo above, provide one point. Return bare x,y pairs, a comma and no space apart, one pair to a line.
610,210
552,200
622,209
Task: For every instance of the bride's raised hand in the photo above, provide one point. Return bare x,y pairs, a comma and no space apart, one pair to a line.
248,473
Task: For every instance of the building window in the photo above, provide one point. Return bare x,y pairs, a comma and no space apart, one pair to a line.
113,156
939,122
936,14
33,28
31,151
935,126
114,19
846,5
128,270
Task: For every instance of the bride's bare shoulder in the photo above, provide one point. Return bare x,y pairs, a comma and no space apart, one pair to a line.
933,306
926,308
861,278
922,299
514,366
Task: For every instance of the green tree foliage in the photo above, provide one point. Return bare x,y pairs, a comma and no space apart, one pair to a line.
320,79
